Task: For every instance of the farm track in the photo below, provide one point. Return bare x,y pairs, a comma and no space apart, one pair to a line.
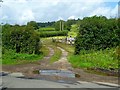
61,64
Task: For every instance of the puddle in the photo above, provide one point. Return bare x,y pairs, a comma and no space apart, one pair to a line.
60,73
3,74
60,76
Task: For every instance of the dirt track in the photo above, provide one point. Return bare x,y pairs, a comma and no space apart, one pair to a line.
61,64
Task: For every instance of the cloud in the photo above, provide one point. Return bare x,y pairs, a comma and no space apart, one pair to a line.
22,11
71,17
106,11
26,16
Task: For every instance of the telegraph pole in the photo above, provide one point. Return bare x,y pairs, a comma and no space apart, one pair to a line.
61,25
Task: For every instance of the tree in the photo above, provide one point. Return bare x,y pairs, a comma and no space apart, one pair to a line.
68,23
33,24
22,39
97,32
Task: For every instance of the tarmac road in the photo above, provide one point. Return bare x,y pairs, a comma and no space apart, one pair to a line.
13,82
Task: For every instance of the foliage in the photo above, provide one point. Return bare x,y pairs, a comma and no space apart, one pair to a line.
97,32
59,25
46,29
57,54
33,24
45,50
53,33
74,30
45,24
104,59
22,39
10,57
68,48
117,52
68,23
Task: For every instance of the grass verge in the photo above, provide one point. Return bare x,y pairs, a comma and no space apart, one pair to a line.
12,58
95,59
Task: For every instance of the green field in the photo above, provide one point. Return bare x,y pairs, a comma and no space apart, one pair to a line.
46,29
74,30
52,33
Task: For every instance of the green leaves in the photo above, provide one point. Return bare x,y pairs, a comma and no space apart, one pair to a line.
33,24
95,59
22,39
97,32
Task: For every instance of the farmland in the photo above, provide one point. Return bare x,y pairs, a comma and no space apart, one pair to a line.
84,54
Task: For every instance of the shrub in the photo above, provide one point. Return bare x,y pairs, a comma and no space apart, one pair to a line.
95,59
21,39
97,33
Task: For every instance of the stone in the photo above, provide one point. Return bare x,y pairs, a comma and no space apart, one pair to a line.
17,74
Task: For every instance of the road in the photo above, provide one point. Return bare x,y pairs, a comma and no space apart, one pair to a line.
11,81
14,82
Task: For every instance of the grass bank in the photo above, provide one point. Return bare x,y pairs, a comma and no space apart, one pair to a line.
12,58
104,59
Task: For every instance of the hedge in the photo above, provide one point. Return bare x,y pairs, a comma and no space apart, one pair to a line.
97,33
53,33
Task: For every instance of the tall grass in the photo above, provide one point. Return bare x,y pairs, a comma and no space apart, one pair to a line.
12,58
105,59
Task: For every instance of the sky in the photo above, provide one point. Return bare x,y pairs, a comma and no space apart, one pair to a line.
23,11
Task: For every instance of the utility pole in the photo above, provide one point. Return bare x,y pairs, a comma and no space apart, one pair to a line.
61,25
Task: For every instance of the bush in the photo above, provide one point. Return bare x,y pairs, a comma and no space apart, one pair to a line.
21,39
117,52
97,33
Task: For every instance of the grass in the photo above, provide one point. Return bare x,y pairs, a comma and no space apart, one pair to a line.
45,50
105,59
95,59
90,59
74,30
52,33
72,33
46,29
56,55
68,48
12,58
48,42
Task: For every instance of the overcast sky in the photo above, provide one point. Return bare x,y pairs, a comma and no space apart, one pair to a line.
22,11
